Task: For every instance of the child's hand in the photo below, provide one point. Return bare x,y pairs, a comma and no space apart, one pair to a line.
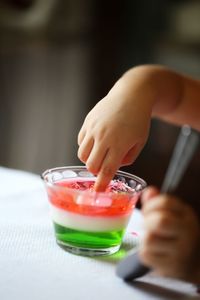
116,129
113,134
172,237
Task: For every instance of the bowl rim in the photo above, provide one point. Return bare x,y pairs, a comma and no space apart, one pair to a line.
44,174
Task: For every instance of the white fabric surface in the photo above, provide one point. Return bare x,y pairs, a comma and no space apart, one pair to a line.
34,267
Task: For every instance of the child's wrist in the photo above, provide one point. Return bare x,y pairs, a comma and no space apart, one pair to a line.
136,88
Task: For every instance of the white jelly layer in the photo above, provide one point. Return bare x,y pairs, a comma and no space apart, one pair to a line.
88,223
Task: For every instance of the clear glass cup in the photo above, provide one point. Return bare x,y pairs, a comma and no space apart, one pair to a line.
87,222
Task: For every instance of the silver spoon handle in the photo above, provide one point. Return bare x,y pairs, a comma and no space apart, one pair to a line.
185,147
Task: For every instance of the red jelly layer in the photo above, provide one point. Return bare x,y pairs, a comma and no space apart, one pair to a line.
116,200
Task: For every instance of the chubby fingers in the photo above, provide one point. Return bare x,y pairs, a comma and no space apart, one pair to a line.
85,148
166,216
108,169
101,159
81,135
156,251
163,214
115,157
170,226
131,155
172,256
165,224
92,153
160,246
163,262
160,202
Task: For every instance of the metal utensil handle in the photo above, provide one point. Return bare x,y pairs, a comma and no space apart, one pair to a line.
185,147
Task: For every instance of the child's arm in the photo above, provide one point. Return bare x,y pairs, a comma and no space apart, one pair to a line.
116,129
172,237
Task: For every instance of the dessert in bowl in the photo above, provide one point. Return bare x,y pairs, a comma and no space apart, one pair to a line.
87,222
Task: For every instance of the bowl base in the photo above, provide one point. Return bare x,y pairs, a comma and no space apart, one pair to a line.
87,251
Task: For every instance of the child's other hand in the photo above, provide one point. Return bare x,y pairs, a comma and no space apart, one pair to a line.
112,135
172,236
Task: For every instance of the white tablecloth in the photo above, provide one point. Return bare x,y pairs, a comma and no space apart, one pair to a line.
34,267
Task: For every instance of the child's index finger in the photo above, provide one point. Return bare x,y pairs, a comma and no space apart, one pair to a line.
103,179
107,171
101,183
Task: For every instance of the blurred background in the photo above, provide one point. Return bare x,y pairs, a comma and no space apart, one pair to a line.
59,57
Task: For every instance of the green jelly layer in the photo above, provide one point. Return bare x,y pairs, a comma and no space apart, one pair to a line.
88,239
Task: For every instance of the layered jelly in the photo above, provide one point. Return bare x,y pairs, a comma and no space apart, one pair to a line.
88,220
